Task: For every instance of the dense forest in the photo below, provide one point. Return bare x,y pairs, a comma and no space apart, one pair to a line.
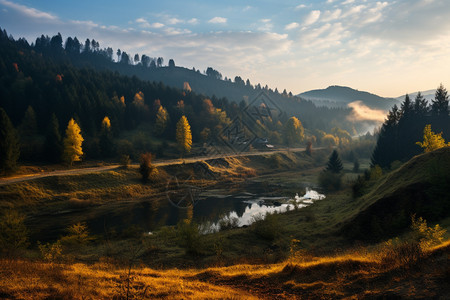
404,127
45,84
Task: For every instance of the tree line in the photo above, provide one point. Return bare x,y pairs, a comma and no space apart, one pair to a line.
404,127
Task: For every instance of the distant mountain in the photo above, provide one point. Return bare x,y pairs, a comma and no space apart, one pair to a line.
338,96
429,95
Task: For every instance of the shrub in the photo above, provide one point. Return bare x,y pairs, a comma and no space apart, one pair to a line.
267,228
189,236
51,252
146,166
398,253
125,161
330,181
13,232
427,237
78,235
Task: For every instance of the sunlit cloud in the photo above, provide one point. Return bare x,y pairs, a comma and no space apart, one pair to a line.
31,12
291,26
312,17
218,20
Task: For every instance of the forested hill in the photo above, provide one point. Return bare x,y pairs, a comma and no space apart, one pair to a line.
341,96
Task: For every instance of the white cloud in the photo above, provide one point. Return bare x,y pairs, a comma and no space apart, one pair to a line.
248,7
329,16
174,21
291,26
218,20
300,6
31,12
312,17
193,21
145,24
348,2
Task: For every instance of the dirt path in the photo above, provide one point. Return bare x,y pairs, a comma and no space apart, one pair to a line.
14,179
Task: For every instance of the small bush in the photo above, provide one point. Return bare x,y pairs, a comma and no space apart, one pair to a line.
146,166
189,236
125,161
51,252
330,181
427,237
267,228
13,232
78,235
398,253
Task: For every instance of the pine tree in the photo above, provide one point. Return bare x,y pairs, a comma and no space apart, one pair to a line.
106,140
334,164
53,141
9,144
183,135
439,105
72,143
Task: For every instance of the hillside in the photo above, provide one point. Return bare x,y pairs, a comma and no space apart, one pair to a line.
337,96
419,187
429,95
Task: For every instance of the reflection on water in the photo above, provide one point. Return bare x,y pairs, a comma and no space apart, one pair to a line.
210,210
257,208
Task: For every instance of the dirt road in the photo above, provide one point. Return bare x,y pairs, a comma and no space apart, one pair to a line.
156,163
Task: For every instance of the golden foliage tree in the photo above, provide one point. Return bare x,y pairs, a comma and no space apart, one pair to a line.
431,140
72,143
184,135
162,118
293,131
106,123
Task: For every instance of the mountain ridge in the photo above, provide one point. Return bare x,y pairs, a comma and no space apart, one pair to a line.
340,96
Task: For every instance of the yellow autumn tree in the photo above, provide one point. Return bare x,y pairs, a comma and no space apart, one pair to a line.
162,118
431,140
184,135
106,123
72,143
293,131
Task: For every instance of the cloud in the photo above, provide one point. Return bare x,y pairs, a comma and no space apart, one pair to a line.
218,20
329,16
174,21
291,26
312,17
348,2
145,24
300,6
31,12
193,21
361,112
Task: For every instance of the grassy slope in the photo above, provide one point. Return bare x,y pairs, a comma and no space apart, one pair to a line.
420,187
358,274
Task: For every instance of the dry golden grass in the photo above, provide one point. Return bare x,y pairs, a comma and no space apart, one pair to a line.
356,274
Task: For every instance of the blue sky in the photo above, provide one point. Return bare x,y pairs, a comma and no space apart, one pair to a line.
387,47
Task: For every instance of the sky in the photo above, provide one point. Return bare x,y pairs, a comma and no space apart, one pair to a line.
388,47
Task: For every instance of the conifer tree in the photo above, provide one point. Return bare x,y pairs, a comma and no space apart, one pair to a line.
72,143
53,141
334,164
106,140
9,144
439,105
183,135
